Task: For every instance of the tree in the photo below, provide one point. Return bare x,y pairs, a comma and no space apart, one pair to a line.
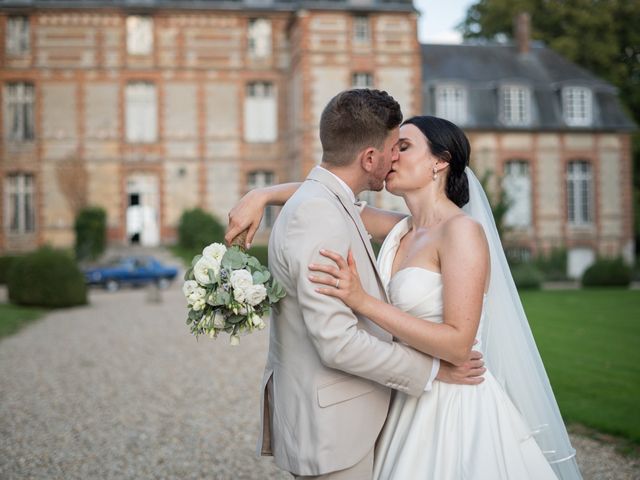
72,179
600,35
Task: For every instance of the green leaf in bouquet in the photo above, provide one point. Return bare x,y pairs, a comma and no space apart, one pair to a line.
275,291
188,275
219,297
212,276
261,276
195,260
235,319
234,259
254,263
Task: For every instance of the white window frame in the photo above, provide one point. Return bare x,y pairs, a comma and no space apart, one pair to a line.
519,214
18,40
261,100
259,38
19,111
139,35
141,101
580,193
19,196
362,80
361,29
515,105
577,106
451,103
260,179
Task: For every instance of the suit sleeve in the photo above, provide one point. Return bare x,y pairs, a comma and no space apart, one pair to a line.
331,325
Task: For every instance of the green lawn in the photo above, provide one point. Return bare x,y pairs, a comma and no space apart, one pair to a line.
12,318
590,344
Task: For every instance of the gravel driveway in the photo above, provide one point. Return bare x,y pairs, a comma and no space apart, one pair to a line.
120,390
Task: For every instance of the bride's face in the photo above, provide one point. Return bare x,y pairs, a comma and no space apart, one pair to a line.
414,167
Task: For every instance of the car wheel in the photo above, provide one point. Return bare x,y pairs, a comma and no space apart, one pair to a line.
112,286
163,283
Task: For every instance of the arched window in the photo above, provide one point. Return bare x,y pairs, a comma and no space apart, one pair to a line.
517,185
579,193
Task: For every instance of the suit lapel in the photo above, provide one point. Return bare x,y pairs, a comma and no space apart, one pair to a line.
326,179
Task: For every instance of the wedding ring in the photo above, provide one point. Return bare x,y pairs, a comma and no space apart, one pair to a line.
338,283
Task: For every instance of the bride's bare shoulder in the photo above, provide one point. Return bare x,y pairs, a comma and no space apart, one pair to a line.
463,229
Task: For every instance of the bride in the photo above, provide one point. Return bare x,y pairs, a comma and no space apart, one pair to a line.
450,286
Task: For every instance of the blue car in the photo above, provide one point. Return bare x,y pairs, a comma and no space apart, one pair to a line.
134,271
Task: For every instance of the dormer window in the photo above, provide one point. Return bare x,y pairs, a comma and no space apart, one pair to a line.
361,30
362,80
577,106
451,103
516,105
18,38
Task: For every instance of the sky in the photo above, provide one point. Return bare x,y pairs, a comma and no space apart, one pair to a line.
439,18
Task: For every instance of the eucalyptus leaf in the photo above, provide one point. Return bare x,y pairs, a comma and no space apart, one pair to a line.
234,259
261,277
195,260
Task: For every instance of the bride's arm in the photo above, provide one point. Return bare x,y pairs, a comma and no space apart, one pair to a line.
379,222
247,213
464,264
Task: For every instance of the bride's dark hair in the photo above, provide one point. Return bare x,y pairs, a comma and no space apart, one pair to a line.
449,143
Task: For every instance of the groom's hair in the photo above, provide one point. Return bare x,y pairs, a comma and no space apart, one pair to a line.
354,120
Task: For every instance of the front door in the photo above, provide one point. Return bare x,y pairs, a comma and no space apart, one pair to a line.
143,219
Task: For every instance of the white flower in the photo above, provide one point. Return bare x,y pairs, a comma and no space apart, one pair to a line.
218,320
255,294
215,251
235,340
203,267
188,287
241,280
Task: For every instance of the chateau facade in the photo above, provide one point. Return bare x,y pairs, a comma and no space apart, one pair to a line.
148,108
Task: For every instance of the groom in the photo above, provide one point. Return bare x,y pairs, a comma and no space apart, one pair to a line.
329,373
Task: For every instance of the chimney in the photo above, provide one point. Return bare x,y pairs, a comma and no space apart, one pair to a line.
522,32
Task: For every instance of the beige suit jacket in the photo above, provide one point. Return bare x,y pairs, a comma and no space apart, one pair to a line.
329,372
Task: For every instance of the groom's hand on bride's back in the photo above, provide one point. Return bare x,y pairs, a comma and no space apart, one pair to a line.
469,373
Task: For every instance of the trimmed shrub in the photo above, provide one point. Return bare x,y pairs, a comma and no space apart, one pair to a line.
91,233
553,265
46,278
197,229
527,276
607,273
5,264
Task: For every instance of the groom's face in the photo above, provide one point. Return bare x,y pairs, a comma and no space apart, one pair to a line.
385,158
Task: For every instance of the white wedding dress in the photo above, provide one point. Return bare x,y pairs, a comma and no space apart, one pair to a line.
453,432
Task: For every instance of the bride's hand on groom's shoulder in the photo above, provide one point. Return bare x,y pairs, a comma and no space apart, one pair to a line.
341,281
245,215
469,373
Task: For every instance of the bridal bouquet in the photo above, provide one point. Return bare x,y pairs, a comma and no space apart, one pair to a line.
228,290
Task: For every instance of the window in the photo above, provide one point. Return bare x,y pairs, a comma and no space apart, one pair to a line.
516,105
579,193
260,113
141,112
261,179
259,38
451,103
19,204
361,29
18,40
362,80
19,100
577,106
516,255
517,186
139,35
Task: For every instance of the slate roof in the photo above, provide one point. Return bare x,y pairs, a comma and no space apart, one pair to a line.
277,5
483,68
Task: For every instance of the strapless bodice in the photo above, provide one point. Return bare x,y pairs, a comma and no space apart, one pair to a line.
417,291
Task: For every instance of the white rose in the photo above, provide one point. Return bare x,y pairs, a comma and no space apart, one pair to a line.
239,295
255,294
241,280
203,267
188,287
215,251
218,320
